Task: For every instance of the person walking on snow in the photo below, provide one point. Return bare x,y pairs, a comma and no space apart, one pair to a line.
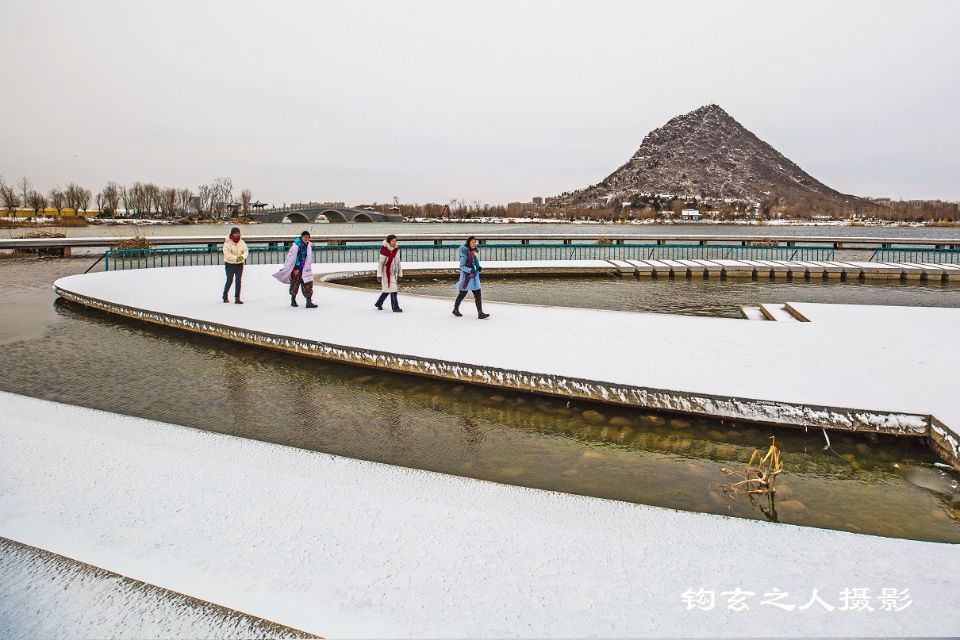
389,271
297,270
469,277
235,252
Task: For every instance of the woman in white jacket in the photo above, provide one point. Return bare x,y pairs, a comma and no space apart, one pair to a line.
389,271
235,252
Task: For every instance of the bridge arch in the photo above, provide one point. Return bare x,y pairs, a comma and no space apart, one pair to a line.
295,217
362,217
332,215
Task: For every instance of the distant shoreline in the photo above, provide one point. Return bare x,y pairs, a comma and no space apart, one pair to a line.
20,223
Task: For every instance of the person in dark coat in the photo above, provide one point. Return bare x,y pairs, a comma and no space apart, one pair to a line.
469,277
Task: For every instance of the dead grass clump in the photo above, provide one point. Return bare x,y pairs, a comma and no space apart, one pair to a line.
604,240
43,233
73,221
136,242
759,476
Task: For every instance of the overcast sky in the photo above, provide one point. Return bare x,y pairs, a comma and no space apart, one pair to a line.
489,101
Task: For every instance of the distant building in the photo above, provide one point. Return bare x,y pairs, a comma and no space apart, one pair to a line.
691,214
538,201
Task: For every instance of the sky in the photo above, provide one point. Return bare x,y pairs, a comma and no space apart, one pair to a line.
480,101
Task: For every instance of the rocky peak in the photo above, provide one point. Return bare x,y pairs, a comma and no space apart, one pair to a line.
704,154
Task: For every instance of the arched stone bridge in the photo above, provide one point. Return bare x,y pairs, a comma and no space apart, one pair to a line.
332,214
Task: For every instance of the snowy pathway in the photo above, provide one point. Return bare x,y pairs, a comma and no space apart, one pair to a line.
867,367
348,548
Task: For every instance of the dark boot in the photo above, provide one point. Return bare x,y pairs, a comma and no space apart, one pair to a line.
476,298
379,303
456,304
293,301
226,299
238,301
310,304
394,304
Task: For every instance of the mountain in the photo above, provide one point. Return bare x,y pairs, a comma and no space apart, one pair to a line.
706,154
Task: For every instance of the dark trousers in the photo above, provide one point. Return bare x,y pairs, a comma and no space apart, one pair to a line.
234,274
393,300
476,298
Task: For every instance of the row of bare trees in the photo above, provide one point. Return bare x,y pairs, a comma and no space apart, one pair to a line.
138,200
23,194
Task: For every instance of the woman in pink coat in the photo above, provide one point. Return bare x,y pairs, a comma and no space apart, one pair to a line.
297,270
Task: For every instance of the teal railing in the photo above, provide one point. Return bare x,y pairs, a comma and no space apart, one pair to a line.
916,254
115,259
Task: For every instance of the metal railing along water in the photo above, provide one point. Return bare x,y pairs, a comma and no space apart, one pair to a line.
194,256
916,255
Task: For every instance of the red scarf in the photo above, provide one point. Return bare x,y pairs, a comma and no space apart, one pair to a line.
391,254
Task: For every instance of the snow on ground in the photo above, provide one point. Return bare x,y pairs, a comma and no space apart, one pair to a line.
349,548
44,595
883,364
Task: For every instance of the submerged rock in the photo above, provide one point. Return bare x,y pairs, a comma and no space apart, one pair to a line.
931,479
792,507
593,417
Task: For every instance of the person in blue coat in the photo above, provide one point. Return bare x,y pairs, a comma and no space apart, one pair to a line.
469,277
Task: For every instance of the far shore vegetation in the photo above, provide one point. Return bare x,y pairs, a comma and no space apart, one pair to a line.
75,205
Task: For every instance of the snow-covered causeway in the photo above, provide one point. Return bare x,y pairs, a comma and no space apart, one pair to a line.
865,367
348,548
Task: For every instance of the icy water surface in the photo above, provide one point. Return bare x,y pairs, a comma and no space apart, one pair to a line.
59,351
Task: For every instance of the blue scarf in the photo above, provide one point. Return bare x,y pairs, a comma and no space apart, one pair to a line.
301,254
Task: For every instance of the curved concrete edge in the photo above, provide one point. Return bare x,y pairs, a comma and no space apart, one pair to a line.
704,405
40,589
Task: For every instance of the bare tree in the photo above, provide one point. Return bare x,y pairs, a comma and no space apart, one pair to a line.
24,186
168,202
222,195
37,202
84,200
9,197
72,196
108,201
246,197
126,197
137,199
184,197
57,200
151,198
207,197
77,198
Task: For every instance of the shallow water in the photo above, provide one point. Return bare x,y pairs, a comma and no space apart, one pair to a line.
56,350
696,296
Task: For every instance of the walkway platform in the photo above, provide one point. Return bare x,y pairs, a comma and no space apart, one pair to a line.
348,548
896,363
814,270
